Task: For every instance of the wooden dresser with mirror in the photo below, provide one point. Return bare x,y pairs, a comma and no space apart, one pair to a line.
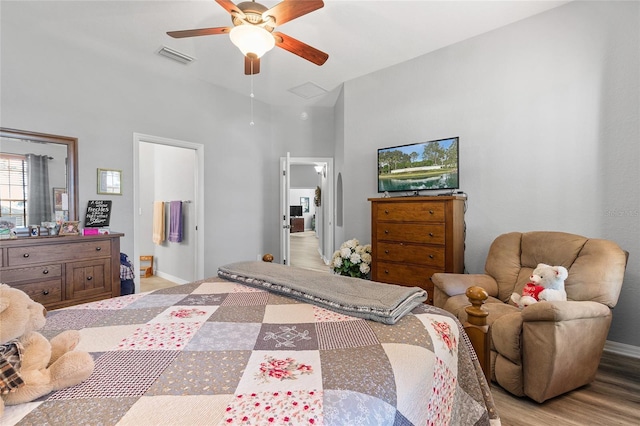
56,271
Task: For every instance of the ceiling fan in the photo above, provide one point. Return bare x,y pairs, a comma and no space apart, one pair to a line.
253,30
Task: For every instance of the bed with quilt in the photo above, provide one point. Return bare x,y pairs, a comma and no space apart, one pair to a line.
264,344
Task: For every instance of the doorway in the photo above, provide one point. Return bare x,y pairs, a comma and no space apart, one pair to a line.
169,170
293,186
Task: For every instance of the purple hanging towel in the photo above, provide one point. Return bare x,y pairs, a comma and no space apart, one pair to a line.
175,221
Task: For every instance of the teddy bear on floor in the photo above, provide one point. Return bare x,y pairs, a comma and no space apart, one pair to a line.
546,283
30,365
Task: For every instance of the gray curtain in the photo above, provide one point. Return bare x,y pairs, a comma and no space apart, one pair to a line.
39,193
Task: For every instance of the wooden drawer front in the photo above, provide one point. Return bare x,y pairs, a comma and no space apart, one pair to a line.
407,275
410,275
411,212
58,252
31,273
411,233
88,278
409,253
45,292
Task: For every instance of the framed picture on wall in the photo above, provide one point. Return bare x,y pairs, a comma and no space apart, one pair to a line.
109,182
304,202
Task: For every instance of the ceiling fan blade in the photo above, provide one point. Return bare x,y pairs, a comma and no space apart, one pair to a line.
251,64
199,32
230,7
301,49
288,10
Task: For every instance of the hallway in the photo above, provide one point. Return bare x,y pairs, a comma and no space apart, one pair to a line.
305,253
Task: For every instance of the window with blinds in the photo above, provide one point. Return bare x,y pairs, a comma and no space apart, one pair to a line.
13,187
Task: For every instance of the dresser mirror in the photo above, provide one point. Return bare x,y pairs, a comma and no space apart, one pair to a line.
38,178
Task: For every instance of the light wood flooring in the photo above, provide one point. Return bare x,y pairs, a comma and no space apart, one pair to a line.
304,251
612,399
154,283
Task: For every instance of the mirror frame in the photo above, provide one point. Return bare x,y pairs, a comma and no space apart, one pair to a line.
72,159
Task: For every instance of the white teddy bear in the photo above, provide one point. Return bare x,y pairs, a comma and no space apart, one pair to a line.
32,366
545,283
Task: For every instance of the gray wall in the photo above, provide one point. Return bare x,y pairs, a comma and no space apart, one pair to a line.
547,112
312,137
546,109
102,99
303,176
54,82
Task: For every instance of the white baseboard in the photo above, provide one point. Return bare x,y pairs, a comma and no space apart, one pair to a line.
622,349
171,278
324,259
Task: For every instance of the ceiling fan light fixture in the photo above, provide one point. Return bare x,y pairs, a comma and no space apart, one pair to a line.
252,39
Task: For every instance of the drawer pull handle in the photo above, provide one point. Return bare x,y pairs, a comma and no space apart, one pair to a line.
25,255
386,231
89,278
45,292
46,271
431,256
386,271
431,234
386,252
386,212
98,248
430,211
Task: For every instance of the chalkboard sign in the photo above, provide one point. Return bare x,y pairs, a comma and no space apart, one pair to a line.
98,213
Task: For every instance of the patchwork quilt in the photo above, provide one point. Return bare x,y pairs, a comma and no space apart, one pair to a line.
219,352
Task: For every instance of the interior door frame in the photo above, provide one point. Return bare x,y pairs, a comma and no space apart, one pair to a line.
139,138
327,199
285,224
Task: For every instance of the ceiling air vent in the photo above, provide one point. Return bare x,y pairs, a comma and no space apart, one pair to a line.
175,55
308,90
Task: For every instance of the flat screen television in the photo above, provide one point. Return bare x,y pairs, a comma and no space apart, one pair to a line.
295,211
431,165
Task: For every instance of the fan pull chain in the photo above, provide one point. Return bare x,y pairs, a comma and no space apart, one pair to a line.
251,96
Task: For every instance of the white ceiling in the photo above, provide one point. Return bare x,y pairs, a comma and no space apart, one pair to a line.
360,36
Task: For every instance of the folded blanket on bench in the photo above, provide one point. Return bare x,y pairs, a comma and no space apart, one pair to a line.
385,303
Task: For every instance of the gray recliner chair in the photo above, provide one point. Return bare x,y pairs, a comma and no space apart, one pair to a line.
548,348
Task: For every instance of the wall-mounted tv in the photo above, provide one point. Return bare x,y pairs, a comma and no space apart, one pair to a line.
295,211
431,165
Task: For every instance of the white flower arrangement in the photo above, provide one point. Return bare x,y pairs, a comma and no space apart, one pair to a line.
352,259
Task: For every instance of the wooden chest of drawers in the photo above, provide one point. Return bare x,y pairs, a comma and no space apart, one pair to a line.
414,237
297,224
63,271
